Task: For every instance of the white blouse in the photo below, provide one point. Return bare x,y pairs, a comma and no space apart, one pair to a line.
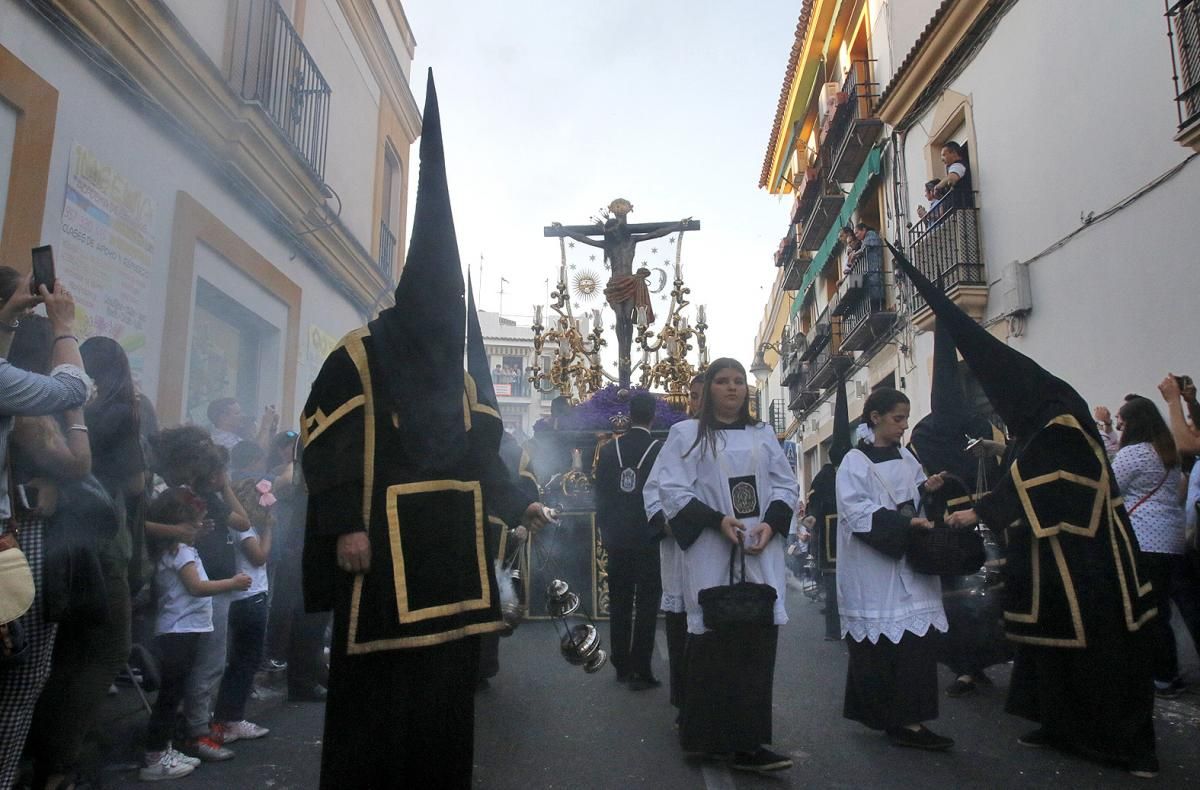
682,476
1158,521
877,595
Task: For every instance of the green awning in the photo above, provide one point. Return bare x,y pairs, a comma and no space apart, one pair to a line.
866,175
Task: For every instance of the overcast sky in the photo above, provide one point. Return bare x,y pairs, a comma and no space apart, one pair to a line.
552,109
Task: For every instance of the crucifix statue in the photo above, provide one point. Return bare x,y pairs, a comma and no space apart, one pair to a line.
626,290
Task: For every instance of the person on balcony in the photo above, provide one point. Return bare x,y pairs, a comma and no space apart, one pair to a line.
853,247
955,187
871,248
936,208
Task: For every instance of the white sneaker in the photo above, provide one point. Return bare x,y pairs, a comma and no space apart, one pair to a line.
242,730
163,765
183,758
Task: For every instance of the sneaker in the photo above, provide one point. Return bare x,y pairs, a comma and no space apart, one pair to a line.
206,748
183,758
241,730
761,760
163,765
1037,739
923,738
961,688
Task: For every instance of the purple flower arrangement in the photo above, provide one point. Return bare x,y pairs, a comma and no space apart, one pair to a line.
596,413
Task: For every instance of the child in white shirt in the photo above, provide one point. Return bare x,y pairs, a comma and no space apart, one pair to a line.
183,591
247,614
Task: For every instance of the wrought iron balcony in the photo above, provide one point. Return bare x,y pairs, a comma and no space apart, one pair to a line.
802,397
824,205
272,68
1184,31
946,249
866,303
793,366
387,251
830,359
854,128
777,415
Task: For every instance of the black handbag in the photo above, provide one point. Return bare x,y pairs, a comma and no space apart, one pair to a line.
740,603
73,585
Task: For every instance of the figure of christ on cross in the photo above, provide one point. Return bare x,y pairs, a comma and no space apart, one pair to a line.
626,290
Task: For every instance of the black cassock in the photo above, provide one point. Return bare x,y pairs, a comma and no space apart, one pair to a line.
1075,599
822,506
405,648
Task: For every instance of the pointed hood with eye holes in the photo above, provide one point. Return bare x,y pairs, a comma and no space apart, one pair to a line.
1024,394
419,341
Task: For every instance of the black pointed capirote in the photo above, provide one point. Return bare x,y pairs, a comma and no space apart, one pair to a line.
419,342
477,358
1023,393
842,440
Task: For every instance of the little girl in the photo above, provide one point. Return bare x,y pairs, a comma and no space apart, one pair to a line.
183,591
247,614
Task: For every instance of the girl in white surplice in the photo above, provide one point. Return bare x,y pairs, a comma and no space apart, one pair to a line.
724,482
887,608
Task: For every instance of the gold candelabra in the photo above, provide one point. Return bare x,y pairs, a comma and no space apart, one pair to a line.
674,339
576,370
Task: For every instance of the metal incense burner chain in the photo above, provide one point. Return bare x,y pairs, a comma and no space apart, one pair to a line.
579,642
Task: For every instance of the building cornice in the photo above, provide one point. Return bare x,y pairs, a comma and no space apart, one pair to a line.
156,53
376,47
949,27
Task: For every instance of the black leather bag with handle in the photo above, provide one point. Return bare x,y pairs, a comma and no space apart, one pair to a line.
740,603
73,586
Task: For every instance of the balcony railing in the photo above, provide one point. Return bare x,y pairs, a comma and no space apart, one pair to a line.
865,302
1183,28
802,396
824,207
854,127
387,251
946,249
777,414
272,67
830,359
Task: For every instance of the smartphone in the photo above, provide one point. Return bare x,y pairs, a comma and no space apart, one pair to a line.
27,497
43,269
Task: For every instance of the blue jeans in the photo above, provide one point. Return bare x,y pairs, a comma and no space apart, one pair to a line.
207,670
247,630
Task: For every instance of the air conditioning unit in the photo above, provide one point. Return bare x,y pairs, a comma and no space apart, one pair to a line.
828,102
1016,289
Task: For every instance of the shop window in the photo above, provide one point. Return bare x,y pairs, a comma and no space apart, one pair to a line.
232,354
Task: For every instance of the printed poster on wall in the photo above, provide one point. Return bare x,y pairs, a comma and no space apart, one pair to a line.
105,253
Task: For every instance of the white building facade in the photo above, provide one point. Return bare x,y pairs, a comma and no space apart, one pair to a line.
509,346
223,182
1073,246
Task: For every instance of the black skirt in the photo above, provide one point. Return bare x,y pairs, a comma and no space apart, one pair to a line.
890,685
1098,701
727,697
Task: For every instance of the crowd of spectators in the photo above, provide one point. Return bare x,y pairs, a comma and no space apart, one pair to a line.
1154,460
154,555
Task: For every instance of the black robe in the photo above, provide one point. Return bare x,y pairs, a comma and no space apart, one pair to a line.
431,587
1075,597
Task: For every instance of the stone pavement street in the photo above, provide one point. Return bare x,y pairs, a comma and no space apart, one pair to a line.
546,724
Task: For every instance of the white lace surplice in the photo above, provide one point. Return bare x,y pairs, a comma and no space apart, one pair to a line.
670,556
753,450
879,596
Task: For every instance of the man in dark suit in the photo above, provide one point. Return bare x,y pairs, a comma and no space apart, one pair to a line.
634,583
